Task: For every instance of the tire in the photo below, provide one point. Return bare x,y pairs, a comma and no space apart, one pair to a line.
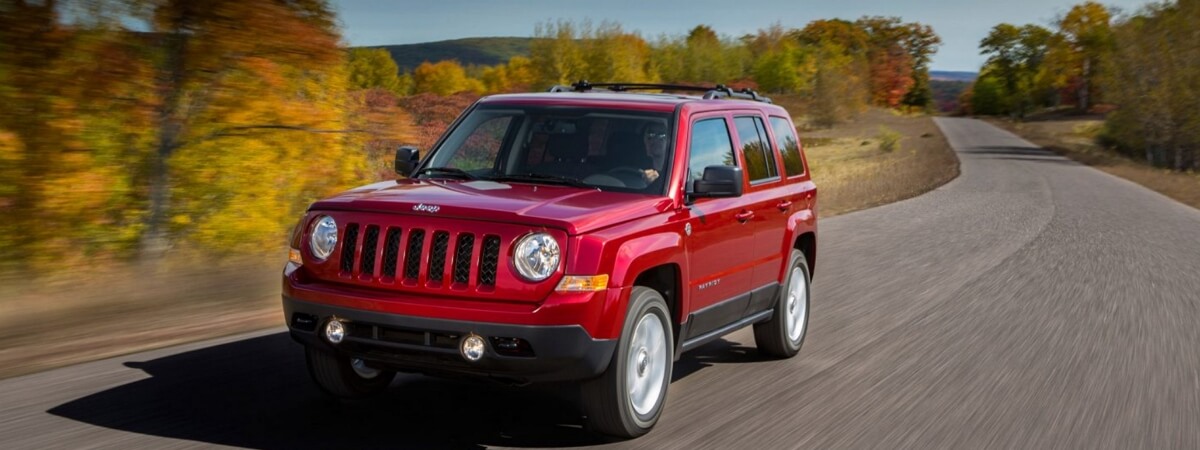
337,376
783,335
627,400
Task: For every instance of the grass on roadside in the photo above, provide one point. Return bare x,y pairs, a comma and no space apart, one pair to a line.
854,168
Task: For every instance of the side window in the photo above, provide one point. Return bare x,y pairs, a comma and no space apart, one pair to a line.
711,146
785,137
760,160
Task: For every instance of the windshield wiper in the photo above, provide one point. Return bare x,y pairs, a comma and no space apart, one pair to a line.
542,178
447,171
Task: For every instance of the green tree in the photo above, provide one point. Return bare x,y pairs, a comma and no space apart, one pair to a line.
781,65
987,95
1015,57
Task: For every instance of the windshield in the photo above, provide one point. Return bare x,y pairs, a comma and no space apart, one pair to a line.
625,151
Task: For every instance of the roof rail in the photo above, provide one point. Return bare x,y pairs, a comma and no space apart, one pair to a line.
718,91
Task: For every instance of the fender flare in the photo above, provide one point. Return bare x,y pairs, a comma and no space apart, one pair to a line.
636,256
800,222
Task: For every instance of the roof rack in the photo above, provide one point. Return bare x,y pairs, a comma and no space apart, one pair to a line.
718,91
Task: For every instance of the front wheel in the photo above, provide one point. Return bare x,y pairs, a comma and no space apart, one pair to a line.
627,400
783,335
345,377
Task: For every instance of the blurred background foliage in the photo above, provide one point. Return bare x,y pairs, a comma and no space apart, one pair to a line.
1140,69
134,129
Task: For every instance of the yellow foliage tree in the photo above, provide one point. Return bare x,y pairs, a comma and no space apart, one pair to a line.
443,78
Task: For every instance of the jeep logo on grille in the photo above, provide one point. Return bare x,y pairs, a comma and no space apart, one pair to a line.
426,208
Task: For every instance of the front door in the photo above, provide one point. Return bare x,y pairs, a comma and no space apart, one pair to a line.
721,245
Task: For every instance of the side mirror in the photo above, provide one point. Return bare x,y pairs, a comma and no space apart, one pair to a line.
719,181
406,160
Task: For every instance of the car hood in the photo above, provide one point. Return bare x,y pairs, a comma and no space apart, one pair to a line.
575,210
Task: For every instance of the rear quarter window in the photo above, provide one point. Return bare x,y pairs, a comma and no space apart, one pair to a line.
760,160
788,145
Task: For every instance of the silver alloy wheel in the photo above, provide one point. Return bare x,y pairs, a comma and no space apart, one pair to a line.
647,364
797,304
362,369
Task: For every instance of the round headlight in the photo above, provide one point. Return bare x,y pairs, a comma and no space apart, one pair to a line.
536,256
323,237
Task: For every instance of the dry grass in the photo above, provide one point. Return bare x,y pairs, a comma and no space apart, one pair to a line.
1075,138
96,313
853,170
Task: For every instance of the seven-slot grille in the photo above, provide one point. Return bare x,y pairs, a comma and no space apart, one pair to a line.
406,255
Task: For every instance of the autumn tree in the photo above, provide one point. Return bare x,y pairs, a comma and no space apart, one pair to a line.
432,115
374,68
900,54
611,54
840,88
1154,80
73,105
211,122
1081,46
443,78
556,54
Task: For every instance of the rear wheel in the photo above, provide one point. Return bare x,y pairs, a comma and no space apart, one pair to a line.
783,335
627,400
345,377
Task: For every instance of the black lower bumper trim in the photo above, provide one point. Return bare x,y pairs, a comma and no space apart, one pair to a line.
419,344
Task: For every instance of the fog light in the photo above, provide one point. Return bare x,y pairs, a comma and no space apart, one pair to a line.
472,348
335,331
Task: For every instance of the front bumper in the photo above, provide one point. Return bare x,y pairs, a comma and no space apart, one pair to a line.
428,345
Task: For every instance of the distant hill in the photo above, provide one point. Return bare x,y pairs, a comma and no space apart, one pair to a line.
470,51
945,75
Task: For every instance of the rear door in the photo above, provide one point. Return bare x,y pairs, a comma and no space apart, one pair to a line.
766,211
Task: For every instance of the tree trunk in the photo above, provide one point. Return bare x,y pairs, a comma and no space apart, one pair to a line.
1084,85
156,239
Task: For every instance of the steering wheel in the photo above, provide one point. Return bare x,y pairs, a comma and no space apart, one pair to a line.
631,176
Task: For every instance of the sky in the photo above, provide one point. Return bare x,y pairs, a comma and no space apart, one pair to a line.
960,23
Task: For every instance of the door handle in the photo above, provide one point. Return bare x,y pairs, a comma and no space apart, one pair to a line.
784,205
744,216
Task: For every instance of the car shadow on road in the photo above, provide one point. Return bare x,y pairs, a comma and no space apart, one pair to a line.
256,393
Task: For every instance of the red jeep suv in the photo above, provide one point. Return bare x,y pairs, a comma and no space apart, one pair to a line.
588,233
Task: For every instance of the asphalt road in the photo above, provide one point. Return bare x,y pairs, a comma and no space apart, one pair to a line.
1030,303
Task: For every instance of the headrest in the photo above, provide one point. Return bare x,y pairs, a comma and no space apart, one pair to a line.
567,146
624,143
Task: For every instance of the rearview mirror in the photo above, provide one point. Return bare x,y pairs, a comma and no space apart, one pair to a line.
719,181
406,160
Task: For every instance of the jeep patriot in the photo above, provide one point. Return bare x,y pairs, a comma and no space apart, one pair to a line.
590,234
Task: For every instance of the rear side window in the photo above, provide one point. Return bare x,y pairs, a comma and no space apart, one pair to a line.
760,160
711,146
789,146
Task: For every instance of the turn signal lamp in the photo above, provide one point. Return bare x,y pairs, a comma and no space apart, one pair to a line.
583,283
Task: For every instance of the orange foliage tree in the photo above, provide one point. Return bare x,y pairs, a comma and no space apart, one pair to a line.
214,123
